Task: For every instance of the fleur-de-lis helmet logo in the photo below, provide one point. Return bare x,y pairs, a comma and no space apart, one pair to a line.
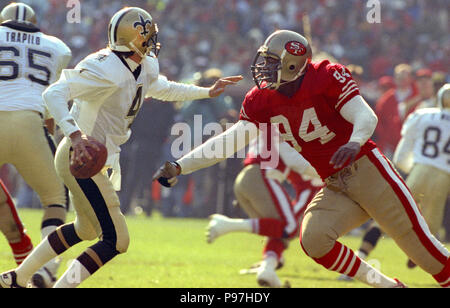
143,23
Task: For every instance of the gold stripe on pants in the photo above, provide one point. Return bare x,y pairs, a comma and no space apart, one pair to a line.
101,219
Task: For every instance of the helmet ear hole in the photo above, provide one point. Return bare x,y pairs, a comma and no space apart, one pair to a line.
292,67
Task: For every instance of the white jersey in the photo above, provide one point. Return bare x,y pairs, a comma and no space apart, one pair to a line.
425,140
107,97
30,61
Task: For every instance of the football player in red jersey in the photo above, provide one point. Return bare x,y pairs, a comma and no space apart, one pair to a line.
322,115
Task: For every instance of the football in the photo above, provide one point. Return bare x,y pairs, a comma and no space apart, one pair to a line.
90,168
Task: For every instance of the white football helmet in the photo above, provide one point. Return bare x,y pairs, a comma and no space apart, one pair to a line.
133,29
18,12
282,58
443,97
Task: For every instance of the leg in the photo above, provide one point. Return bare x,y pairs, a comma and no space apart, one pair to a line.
430,187
385,196
99,206
330,215
12,227
98,214
34,160
29,151
370,240
265,202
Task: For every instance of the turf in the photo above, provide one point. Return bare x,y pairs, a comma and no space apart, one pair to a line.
173,253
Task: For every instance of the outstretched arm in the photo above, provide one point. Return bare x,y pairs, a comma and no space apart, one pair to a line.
231,141
166,90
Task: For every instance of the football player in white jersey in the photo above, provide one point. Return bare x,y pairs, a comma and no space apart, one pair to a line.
424,154
29,61
108,88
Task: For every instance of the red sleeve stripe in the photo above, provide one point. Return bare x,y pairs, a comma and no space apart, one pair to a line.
353,86
341,100
348,84
243,114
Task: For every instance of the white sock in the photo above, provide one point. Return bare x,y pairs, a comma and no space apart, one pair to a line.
244,225
73,276
270,261
237,225
373,277
38,257
361,255
53,264
47,230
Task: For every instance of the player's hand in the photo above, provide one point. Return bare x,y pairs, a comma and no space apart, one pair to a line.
79,144
220,85
167,174
346,152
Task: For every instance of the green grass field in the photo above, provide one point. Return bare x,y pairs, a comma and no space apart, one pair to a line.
173,253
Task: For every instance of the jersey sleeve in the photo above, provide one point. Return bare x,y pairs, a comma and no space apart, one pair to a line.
65,58
410,123
87,81
252,107
166,90
340,86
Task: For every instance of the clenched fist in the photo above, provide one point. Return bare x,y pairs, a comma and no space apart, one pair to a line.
167,174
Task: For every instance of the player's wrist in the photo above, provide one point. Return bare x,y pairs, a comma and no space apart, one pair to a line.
76,137
177,166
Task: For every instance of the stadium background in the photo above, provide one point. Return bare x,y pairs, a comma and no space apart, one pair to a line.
224,34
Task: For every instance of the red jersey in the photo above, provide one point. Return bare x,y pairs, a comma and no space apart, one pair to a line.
310,120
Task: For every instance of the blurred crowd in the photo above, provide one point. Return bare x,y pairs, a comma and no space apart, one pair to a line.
399,64
196,34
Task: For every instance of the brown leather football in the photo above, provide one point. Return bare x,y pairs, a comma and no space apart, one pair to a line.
90,167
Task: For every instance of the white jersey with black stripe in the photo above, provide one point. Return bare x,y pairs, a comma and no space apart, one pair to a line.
30,61
428,130
107,96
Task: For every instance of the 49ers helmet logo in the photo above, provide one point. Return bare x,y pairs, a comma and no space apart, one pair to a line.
295,48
